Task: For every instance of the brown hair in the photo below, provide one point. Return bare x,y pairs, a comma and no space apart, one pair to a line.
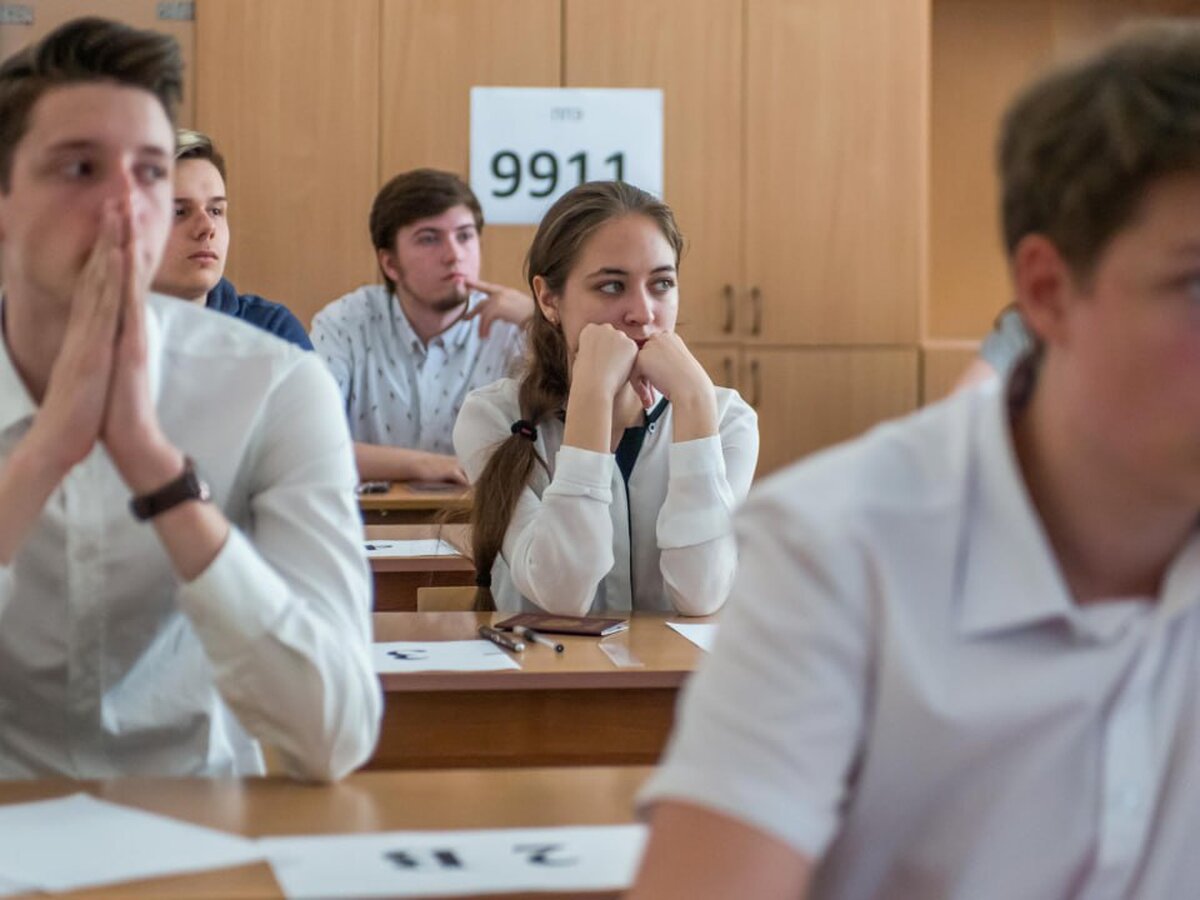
1079,147
197,145
81,51
415,195
560,238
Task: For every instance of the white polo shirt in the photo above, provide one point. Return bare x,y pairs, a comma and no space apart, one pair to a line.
903,687
398,390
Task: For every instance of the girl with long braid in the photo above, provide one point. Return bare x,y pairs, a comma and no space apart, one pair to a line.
605,476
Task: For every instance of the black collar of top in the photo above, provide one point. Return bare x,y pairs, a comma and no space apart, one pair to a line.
633,439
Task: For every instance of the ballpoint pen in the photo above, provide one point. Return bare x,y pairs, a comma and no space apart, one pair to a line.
501,639
535,637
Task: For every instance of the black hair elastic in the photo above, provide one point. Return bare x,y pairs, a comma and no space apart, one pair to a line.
483,580
524,429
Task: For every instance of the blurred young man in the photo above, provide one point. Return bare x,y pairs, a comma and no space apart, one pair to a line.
962,658
406,353
193,264
180,571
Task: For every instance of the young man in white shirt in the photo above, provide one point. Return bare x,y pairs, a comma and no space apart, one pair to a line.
407,352
180,572
962,654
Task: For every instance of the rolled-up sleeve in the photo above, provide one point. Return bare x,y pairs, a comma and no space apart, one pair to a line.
707,478
283,611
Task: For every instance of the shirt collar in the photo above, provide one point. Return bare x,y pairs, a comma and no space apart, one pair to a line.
16,403
1011,577
455,336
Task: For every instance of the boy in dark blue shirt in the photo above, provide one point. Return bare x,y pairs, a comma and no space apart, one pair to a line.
194,261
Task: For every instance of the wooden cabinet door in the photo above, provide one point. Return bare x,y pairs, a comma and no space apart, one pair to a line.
434,52
289,91
836,94
723,362
46,15
808,399
693,51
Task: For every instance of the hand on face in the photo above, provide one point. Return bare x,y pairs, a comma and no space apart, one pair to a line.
503,304
72,413
604,361
665,362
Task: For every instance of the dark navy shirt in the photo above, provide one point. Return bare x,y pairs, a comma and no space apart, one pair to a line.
273,317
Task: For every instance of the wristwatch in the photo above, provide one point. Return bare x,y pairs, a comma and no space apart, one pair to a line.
188,486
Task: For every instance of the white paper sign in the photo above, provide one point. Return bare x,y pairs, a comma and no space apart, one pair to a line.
702,634
409,549
78,841
531,145
440,656
457,863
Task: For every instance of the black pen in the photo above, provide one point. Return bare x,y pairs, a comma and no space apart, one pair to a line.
501,639
530,635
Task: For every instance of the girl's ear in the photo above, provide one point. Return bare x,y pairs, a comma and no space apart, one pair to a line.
547,301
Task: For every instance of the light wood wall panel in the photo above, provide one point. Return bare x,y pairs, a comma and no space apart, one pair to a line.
721,361
983,53
694,54
289,90
811,398
434,52
942,365
49,14
835,153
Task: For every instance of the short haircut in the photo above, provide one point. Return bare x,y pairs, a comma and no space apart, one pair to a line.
79,52
197,145
1079,148
415,195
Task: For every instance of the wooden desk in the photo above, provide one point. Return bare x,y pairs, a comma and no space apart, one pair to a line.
397,580
364,802
572,708
404,505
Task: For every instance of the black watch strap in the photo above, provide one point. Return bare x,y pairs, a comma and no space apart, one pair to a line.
188,486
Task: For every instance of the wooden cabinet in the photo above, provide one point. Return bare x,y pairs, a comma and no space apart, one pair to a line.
695,56
434,52
289,91
835,177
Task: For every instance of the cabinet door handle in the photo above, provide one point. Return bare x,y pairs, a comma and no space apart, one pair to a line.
756,311
727,295
755,384
728,372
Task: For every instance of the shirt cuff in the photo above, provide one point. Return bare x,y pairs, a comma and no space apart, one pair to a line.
237,599
582,473
702,456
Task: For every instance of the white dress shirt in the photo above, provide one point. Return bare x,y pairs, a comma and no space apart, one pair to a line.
110,666
582,542
397,390
903,686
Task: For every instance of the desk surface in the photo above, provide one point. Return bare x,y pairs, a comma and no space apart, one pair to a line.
458,536
666,657
402,496
364,802
576,708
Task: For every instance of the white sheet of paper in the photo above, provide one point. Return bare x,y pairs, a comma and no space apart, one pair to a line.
79,841
456,863
409,549
8,888
701,634
440,656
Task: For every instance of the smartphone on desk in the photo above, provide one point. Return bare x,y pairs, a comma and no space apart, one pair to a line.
373,487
